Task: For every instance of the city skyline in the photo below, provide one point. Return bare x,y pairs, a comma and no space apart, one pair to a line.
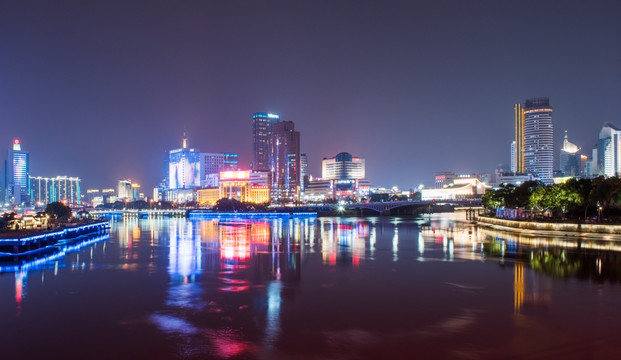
100,102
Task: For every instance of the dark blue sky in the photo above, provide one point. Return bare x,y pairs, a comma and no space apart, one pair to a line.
100,89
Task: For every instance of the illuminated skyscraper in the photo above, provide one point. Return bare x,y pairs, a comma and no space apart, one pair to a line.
16,175
538,139
211,164
609,151
342,167
184,168
513,157
570,163
517,151
285,160
63,189
124,190
303,171
262,125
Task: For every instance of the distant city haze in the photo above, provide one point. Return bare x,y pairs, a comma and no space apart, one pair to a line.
101,90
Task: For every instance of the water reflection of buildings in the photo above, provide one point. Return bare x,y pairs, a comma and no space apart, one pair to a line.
518,287
184,257
24,266
252,266
343,241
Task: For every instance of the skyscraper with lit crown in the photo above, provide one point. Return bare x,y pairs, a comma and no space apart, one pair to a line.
285,161
262,124
184,167
16,175
538,139
569,160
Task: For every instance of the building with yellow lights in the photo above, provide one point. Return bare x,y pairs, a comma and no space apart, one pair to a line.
207,197
239,185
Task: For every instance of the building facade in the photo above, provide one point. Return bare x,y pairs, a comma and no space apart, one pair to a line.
262,124
570,161
285,161
303,172
342,167
538,139
444,178
211,164
461,189
609,151
65,189
16,175
517,150
124,190
184,168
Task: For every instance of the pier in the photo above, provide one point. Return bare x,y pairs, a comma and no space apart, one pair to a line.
33,243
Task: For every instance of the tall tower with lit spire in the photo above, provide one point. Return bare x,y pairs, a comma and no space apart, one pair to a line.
569,158
16,175
184,167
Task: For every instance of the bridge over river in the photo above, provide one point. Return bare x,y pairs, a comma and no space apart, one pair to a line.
384,208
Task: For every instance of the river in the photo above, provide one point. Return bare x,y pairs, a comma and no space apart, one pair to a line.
314,288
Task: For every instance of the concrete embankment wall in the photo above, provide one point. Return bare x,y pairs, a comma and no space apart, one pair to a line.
541,226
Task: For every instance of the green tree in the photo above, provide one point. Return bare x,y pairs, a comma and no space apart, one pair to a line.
557,198
583,188
520,196
58,210
225,204
492,200
605,191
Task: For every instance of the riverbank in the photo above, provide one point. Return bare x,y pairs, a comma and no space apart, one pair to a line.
552,229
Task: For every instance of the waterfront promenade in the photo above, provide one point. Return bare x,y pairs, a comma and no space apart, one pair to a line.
607,232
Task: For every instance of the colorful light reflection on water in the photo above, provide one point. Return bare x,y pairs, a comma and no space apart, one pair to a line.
330,288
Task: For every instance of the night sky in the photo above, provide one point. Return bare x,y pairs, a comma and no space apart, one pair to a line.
100,90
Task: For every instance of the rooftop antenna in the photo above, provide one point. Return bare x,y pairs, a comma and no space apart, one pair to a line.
185,141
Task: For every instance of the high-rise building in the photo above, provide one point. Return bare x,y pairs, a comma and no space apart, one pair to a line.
303,172
230,161
518,152
538,139
16,175
342,167
124,190
609,151
590,166
444,178
570,161
65,189
184,168
165,169
514,156
211,164
285,160
262,125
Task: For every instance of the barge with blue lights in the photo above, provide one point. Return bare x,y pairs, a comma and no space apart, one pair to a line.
32,244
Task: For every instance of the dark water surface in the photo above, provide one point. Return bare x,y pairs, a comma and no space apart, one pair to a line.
327,288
